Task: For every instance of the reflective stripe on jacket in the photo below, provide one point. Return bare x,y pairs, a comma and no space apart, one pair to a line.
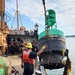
26,58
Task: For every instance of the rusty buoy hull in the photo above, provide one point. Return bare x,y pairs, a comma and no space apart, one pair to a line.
52,57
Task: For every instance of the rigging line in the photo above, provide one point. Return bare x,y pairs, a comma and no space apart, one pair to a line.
8,17
13,20
20,18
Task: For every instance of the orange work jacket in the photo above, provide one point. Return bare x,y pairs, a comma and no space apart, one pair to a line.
26,58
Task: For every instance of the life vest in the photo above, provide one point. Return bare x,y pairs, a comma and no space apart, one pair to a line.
26,58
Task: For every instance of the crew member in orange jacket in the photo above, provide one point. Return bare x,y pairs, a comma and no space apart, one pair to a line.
28,59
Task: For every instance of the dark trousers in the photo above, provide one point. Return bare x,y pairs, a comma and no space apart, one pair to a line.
28,69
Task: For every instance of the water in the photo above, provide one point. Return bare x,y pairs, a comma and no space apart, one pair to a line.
70,44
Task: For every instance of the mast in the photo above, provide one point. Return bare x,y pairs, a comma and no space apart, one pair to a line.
17,15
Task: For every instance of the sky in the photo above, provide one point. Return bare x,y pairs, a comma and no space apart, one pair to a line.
32,12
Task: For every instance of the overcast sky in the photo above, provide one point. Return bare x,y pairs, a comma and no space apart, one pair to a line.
31,12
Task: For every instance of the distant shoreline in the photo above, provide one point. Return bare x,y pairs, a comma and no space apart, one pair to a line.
70,36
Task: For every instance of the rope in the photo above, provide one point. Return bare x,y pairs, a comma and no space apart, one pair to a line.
13,21
14,18
6,18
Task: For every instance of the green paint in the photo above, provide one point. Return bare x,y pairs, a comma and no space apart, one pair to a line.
50,18
4,69
51,32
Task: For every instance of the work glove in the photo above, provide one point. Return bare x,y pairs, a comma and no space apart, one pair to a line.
45,46
63,52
